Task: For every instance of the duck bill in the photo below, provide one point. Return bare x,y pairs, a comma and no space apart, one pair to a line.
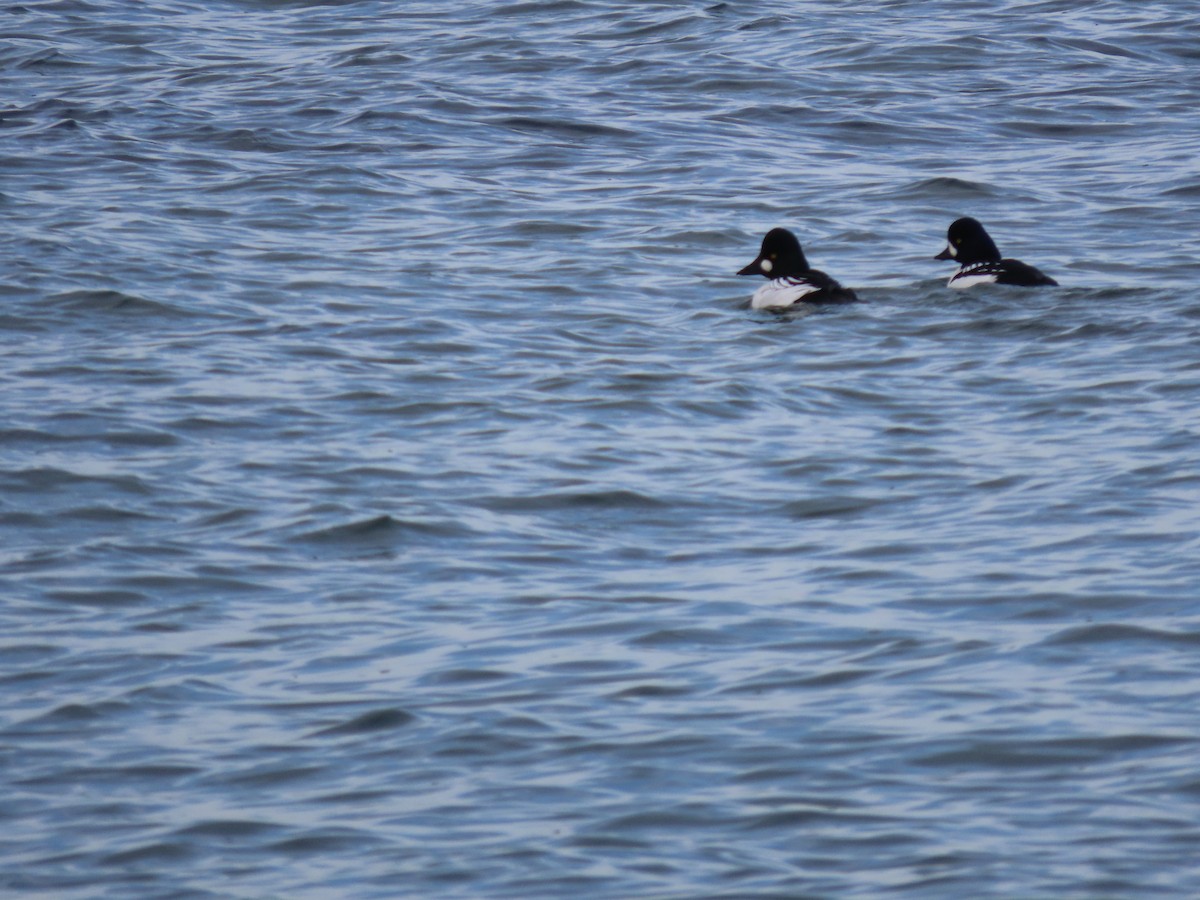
947,253
755,268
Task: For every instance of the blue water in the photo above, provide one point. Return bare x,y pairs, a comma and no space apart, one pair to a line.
398,498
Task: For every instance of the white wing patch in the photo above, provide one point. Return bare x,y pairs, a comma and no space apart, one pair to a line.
983,273
781,292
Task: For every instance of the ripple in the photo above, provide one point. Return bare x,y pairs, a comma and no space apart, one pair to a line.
375,720
945,188
1113,632
114,301
379,529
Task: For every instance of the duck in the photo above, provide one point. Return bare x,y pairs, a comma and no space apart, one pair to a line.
968,244
791,279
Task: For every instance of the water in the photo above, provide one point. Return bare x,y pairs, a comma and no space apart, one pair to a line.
397,497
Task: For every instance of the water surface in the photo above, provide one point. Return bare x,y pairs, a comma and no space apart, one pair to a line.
397,497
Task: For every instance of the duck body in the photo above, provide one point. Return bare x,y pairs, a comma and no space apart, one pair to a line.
968,244
791,279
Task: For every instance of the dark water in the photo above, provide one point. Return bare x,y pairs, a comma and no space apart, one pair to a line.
398,499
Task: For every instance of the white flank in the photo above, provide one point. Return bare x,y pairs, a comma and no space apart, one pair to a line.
968,280
781,292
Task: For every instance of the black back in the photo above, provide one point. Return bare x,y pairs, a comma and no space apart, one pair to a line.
1013,271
